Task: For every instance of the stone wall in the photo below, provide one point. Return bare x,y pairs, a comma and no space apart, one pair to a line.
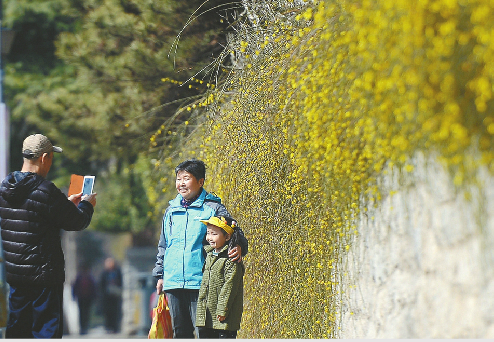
422,266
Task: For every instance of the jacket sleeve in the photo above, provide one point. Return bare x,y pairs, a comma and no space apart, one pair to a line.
222,211
67,215
231,287
158,266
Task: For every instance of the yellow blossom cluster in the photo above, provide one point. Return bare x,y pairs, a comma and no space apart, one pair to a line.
319,103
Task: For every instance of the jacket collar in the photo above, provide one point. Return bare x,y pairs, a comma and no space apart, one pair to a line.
208,249
175,203
197,203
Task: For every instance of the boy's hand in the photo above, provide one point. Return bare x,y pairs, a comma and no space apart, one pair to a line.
235,253
221,318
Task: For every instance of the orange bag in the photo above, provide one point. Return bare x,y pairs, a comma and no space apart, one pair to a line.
161,326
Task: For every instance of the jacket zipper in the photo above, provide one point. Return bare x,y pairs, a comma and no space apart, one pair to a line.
185,243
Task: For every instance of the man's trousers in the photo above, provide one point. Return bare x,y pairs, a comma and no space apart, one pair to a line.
35,312
183,307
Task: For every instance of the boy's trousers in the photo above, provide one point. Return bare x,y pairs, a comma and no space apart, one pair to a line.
216,333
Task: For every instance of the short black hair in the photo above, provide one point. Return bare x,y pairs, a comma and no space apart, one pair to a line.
195,167
234,237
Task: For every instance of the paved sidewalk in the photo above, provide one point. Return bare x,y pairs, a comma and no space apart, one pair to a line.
99,332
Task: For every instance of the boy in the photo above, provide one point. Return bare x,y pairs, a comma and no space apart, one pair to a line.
220,303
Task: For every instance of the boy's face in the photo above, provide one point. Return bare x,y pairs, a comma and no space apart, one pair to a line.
187,185
216,237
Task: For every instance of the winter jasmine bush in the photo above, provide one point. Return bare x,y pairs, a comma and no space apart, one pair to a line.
319,101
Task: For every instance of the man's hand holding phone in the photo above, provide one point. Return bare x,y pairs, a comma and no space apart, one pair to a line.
91,198
77,198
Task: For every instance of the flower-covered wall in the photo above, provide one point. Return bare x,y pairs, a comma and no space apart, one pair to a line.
324,101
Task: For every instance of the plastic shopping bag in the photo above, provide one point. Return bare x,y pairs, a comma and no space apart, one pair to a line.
161,326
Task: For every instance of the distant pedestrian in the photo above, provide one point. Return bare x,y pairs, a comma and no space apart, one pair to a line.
84,290
220,302
33,212
111,295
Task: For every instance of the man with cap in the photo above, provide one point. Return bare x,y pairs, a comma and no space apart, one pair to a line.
33,211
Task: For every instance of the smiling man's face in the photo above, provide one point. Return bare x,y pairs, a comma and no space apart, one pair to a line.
187,185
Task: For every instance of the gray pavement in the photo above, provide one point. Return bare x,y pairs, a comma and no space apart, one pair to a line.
99,332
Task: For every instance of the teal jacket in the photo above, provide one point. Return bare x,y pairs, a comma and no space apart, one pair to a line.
181,255
221,292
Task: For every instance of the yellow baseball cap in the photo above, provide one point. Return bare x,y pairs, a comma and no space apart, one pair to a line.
219,222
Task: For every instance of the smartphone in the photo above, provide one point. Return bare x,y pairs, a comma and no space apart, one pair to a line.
87,185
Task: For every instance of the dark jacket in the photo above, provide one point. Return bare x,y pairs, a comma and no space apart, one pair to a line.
221,292
33,211
111,284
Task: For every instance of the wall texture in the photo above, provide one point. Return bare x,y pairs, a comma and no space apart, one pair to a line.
422,266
